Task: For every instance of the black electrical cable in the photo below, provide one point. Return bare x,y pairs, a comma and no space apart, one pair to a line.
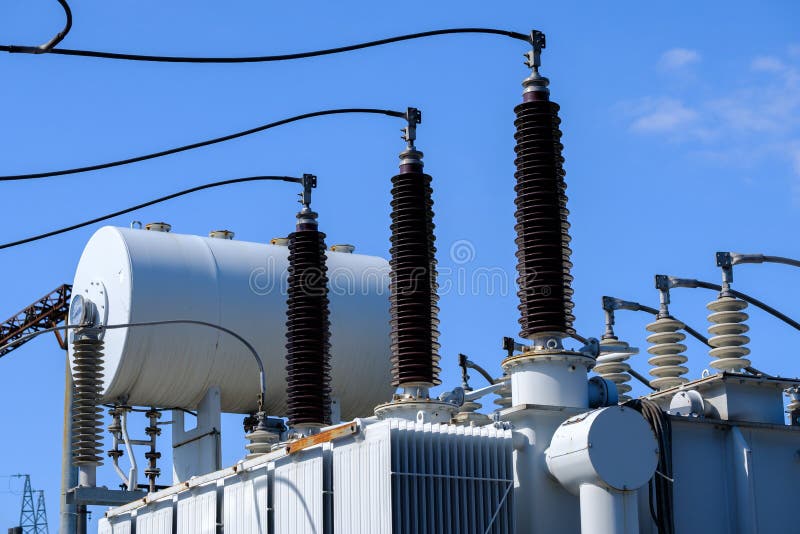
146,204
483,372
739,259
262,380
261,59
660,486
48,46
689,330
690,283
389,112
641,378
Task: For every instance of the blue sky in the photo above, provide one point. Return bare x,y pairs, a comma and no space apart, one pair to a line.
681,138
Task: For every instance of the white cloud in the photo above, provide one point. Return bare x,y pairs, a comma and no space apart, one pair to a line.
661,115
768,64
745,122
677,58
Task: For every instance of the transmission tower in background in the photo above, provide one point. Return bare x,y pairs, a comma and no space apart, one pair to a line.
40,522
32,520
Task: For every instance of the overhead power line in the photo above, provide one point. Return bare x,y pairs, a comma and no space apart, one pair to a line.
149,203
261,128
261,59
48,46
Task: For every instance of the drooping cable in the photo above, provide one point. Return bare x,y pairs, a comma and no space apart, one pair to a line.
738,259
257,129
146,204
261,372
661,483
279,57
691,283
48,46
635,306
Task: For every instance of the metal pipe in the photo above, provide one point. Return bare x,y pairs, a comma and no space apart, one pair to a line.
69,473
81,519
115,462
133,473
478,393
608,511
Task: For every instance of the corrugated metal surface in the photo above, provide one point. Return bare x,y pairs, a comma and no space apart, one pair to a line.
362,491
197,511
245,503
298,493
155,518
407,478
451,479
395,477
120,525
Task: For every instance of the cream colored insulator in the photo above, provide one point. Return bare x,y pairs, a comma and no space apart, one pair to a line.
468,415
503,399
612,366
666,350
727,331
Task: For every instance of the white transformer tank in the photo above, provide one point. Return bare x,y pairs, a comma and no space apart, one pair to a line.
136,275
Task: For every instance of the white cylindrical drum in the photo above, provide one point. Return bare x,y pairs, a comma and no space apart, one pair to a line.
138,276
558,379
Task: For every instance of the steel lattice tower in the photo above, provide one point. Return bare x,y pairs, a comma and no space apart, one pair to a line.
40,521
27,514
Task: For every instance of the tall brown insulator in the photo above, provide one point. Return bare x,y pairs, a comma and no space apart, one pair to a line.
543,253
308,327
413,290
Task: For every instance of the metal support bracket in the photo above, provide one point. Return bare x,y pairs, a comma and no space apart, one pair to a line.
534,57
102,496
309,182
413,117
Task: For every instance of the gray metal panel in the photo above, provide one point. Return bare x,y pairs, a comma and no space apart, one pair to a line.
297,493
724,481
155,518
451,479
197,510
362,492
407,478
103,527
245,503
116,525
776,470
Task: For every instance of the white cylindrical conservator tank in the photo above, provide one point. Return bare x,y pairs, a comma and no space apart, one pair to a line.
138,276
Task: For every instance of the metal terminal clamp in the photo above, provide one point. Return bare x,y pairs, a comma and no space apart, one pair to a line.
536,83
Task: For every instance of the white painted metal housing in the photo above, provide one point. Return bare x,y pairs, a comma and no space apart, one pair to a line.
393,477
138,275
